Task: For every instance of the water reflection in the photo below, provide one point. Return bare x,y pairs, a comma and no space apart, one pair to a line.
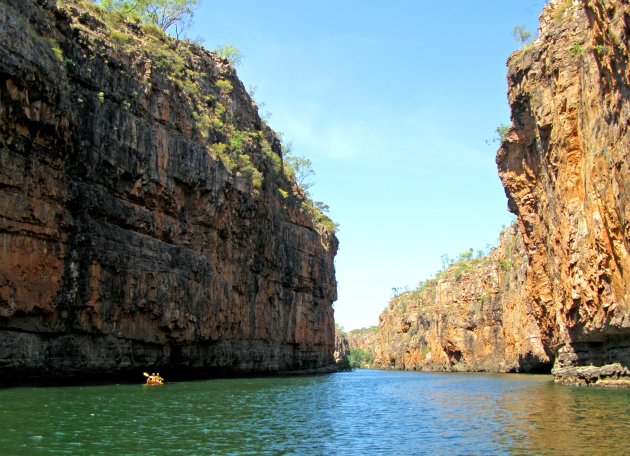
555,419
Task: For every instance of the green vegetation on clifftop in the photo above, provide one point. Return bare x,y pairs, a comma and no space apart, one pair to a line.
205,81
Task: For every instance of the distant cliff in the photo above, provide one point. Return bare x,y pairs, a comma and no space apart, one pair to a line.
566,170
470,317
365,338
342,350
146,218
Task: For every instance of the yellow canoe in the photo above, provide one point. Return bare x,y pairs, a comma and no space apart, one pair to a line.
153,379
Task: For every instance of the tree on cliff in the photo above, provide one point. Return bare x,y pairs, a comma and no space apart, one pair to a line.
231,54
300,169
521,34
165,14
297,167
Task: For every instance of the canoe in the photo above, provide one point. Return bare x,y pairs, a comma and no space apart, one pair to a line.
153,379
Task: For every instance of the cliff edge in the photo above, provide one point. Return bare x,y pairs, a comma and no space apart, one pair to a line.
146,218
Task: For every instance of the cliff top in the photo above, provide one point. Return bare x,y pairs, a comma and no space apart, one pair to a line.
224,118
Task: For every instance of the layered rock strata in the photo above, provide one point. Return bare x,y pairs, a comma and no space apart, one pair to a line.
146,221
566,171
471,317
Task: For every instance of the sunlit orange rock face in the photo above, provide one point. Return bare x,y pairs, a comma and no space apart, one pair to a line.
565,166
471,317
560,294
126,242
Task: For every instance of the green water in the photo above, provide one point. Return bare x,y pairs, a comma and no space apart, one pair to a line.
363,412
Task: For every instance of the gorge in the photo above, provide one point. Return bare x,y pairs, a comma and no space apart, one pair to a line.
149,220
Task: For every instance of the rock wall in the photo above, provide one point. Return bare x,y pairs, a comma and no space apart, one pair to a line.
146,221
566,171
365,338
342,349
564,165
471,317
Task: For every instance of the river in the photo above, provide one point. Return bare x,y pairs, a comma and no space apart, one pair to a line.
361,412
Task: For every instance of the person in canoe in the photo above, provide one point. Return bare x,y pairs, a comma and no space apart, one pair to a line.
154,379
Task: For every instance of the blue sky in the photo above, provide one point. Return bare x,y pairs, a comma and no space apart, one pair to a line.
393,102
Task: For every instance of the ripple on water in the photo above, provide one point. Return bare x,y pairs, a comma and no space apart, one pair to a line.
363,412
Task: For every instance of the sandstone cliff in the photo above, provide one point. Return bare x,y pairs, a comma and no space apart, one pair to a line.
559,293
146,219
566,171
365,339
471,317
356,348
342,350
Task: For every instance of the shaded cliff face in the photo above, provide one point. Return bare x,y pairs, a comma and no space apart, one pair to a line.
342,348
145,217
566,173
471,317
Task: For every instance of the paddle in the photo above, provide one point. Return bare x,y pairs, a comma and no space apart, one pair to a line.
157,377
